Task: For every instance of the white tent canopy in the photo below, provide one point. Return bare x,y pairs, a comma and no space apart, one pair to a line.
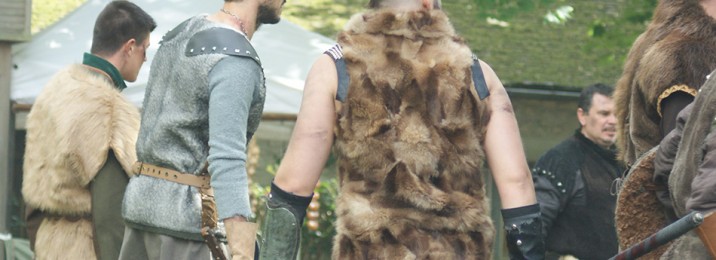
286,50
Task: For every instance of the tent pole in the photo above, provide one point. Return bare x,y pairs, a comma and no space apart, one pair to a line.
6,153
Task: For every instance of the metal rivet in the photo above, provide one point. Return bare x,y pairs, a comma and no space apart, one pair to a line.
514,225
213,48
248,52
202,48
559,184
224,48
564,191
236,50
191,50
519,242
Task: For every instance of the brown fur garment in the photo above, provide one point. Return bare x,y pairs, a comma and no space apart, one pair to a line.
678,48
639,212
75,121
409,141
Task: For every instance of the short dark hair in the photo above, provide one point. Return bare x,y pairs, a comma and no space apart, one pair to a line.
585,98
119,22
375,4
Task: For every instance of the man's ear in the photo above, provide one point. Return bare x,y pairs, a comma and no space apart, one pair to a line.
581,116
128,46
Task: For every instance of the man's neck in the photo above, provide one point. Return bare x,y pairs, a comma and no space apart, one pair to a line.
246,11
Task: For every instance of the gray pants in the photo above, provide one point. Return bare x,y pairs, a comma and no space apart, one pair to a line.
140,245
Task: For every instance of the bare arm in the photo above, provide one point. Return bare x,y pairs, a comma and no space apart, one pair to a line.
503,147
312,136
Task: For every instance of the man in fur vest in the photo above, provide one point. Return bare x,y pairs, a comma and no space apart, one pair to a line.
203,104
81,134
664,69
666,66
413,115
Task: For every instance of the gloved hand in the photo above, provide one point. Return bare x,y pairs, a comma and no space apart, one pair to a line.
523,228
241,236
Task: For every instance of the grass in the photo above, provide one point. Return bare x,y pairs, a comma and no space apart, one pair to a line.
587,48
47,12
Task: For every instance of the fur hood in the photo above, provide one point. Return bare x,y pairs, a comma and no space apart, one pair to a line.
409,141
676,49
75,121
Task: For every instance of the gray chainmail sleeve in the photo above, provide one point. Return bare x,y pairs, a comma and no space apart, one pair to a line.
234,83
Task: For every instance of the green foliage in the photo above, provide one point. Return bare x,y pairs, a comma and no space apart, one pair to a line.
588,47
317,244
47,12
505,10
322,16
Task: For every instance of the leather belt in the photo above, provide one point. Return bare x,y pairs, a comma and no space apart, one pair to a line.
199,181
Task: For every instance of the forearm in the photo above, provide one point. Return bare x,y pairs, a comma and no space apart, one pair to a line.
304,160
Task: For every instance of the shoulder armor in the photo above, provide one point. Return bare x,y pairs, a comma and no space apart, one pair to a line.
559,180
560,166
218,40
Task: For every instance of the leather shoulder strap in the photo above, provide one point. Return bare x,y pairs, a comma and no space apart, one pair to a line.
336,53
217,40
478,79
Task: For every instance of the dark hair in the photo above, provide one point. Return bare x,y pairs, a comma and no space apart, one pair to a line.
119,22
585,98
375,4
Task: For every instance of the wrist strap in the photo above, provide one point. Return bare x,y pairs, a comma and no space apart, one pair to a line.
520,211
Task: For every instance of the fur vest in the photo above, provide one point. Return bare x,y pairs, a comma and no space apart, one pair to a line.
409,140
677,49
75,121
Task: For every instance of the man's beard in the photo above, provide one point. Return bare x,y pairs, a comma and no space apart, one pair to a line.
267,15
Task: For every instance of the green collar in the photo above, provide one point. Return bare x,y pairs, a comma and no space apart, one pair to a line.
104,65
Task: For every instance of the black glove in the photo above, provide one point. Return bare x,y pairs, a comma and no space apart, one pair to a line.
523,228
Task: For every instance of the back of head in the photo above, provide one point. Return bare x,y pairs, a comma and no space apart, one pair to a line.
376,4
119,22
585,97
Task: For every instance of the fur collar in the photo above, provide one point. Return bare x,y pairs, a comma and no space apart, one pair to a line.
412,25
